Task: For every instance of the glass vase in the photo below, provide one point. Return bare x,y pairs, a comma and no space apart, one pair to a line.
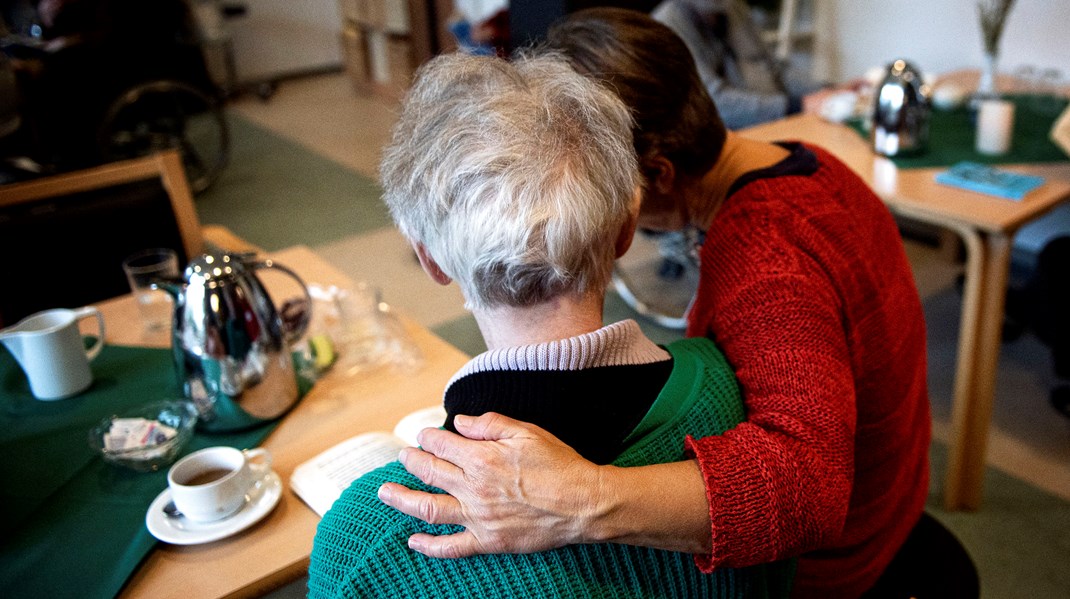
986,86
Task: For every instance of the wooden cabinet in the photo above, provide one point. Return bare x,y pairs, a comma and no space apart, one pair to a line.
384,41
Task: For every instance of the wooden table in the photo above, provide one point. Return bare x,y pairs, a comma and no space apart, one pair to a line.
276,550
986,225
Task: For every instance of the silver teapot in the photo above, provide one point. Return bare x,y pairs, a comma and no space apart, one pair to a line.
230,345
901,113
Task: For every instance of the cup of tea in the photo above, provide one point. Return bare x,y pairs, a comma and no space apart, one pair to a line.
213,483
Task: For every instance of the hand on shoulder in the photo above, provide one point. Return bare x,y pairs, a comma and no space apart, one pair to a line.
513,486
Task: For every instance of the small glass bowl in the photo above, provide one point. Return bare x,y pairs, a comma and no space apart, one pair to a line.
178,415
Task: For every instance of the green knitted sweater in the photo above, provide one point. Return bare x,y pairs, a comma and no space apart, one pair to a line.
360,549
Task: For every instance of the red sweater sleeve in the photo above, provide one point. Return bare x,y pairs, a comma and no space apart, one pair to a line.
780,483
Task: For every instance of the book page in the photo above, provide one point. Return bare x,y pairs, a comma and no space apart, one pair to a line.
409,426
321,480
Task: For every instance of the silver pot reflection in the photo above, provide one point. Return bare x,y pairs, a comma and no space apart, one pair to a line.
231,347
902,111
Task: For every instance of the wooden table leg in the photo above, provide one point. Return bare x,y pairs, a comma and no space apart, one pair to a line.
987,267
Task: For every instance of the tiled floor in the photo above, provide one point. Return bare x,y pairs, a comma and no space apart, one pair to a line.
324,114
1029,440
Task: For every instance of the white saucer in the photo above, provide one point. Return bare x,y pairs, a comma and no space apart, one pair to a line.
183,531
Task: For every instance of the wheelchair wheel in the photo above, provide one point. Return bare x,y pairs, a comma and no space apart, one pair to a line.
165,114
658,277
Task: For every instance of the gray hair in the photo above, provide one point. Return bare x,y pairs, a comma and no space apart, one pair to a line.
516,176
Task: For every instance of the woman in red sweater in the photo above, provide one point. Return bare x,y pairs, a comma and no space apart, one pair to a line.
804,285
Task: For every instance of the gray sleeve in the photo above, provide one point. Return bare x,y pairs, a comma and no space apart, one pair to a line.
739,107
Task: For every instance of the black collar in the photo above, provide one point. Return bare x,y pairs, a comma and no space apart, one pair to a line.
801,162
592,410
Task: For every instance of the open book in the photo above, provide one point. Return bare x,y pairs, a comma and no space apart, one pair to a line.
321,480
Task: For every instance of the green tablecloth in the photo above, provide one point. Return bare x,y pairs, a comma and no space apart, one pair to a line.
72,524
952,133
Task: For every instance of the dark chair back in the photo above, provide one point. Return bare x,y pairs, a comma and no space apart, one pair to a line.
64,237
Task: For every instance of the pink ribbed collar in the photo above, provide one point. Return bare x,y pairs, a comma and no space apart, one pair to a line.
612,345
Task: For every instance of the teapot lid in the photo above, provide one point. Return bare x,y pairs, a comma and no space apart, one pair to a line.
902,73
216,266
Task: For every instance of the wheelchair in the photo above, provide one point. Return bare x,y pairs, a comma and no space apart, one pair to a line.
110,80
658,276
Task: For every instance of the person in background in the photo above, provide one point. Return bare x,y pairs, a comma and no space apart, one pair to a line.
805,286
481,27
746,89
519,182
74,58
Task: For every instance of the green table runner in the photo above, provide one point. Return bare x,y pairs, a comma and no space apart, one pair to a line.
952,133
72,524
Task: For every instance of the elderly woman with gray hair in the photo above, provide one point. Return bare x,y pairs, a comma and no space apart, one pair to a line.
518,181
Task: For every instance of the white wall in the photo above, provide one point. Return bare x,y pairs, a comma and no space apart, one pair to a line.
936,35
278,38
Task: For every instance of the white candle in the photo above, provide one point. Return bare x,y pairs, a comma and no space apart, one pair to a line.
995,126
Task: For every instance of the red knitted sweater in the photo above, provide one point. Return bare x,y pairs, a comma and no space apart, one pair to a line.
808,292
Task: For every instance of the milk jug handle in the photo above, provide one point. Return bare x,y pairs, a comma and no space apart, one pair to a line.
302,326
86,312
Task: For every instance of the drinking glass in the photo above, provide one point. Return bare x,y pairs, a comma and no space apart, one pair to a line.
1025,78
142,270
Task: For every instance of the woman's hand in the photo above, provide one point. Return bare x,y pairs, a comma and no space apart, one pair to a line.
513,486
518,489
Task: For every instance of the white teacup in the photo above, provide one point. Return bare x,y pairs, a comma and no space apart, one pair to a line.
213,483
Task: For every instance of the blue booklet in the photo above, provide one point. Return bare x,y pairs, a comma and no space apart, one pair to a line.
988,179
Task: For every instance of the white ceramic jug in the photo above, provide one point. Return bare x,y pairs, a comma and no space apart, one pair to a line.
49,347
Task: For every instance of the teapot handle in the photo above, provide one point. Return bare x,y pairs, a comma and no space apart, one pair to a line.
302,325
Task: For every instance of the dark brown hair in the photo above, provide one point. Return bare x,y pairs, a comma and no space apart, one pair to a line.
652,70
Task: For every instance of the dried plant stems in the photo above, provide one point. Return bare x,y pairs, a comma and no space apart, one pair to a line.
993,16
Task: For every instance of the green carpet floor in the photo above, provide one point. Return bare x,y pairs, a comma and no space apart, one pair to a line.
276,193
